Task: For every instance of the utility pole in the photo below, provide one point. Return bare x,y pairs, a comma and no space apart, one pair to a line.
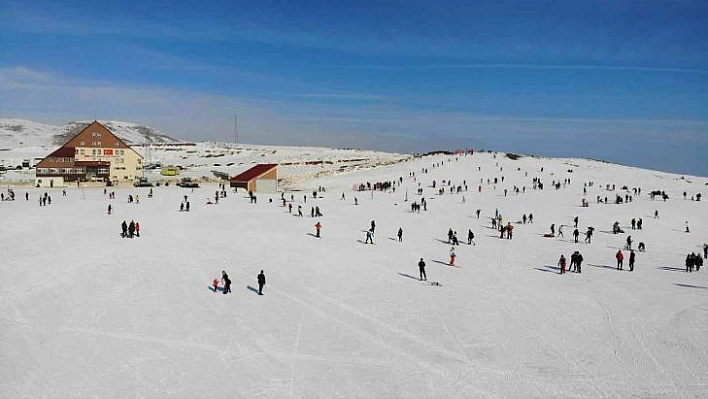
236,128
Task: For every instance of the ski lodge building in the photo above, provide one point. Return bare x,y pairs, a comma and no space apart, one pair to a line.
94,154
261,178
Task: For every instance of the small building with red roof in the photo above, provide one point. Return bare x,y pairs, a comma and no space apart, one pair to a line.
261,178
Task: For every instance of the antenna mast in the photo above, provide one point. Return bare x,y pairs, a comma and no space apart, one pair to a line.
236,128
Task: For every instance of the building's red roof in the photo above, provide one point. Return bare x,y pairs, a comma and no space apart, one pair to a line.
254,172
92,163
64,152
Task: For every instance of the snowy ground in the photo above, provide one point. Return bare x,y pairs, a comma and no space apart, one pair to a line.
85,313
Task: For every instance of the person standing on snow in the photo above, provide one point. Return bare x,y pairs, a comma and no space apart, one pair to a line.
421,268
453,255
400,234
318,226
620,258
124,229
137,229
631,260
470,237
369,237
261,282
227,282
561,264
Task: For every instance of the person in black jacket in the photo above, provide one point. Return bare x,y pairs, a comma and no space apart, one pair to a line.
631,260
421,267
227,282
261,282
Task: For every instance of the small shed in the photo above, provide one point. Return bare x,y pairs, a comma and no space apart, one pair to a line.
261,178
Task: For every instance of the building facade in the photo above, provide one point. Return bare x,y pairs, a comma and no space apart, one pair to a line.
93,154
262,178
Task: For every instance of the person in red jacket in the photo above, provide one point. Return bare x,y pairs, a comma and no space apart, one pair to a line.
620,257
561,264
318,226
137,229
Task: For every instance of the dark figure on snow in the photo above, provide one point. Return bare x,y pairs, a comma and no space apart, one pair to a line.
620,259
400,234
131,229
470,237
561,264
631,260
689,263
576,260
641,247
629,242
261,282
421,268
588,235
373,226
576,222
576,233
449,235
553,229
369,237
124,229
226,281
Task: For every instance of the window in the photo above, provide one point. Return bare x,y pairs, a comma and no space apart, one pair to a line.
99,143
93,143
82,143
117,143
81,151
98,134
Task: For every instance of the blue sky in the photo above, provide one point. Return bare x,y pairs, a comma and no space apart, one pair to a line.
623,81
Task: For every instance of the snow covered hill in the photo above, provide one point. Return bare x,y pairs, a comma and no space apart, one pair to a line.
86,313
17,133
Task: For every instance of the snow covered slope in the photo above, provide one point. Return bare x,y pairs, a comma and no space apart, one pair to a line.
85,313
17,133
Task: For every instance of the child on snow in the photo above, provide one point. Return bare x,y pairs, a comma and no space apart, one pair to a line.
216,284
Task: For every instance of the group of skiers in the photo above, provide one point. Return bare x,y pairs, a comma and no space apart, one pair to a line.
130,230
576,261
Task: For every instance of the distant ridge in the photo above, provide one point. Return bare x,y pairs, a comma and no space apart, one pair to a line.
16,133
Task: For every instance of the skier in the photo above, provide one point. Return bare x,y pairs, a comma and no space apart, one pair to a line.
369,237
631,260
470,237
318,226
620,258
561,263
400,234
588,235
421,268
576,233
453,255
261,282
